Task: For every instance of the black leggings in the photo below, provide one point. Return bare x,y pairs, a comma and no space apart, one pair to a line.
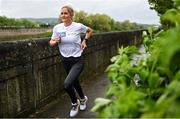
73,67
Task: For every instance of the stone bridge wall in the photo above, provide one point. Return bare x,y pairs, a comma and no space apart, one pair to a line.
22,31
31,74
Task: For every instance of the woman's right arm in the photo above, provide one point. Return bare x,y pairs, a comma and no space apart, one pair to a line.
54,42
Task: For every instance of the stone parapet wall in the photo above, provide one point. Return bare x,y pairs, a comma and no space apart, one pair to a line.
31,74
22,31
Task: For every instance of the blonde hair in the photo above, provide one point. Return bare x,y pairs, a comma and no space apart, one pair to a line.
69,8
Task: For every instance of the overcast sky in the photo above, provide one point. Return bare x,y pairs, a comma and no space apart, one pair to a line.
134,10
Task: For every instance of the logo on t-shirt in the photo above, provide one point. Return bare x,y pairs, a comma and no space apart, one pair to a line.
63,34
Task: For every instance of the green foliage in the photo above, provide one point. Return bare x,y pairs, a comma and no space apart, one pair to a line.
101,102
82,17
161,6
172,16
101,22
104,23
150,88
10,22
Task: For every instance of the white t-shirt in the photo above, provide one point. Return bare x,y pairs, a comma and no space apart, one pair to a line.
70,38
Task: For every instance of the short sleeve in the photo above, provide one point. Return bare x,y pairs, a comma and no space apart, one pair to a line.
54,34
83,28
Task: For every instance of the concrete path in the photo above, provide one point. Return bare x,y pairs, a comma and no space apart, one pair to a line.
60,108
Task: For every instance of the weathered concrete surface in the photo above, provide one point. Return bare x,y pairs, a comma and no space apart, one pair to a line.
60,108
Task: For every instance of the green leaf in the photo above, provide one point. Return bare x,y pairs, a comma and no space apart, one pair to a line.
177,3
99,103
153,80
172,15
170,44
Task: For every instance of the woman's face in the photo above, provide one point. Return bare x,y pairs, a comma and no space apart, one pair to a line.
65,15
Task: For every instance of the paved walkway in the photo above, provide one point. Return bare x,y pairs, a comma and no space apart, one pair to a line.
60,107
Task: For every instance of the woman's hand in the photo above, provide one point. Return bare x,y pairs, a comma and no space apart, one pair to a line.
83,44
54,41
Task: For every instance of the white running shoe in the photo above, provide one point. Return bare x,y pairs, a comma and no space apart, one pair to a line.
75,109
83,103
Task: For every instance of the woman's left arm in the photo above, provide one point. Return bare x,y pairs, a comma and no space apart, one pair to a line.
87,37
88,33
